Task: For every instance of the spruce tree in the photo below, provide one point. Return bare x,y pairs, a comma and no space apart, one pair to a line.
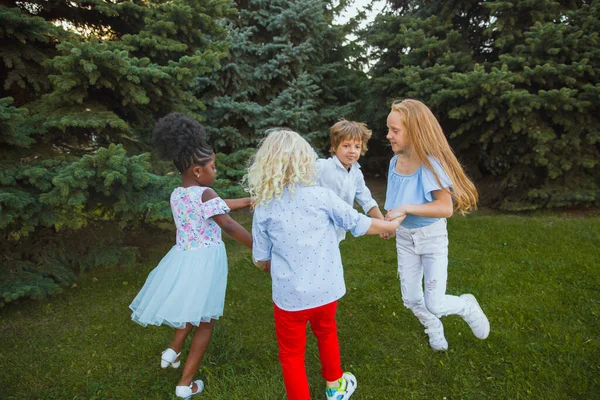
288,66
514,84
82,84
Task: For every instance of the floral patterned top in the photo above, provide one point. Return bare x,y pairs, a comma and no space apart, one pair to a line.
195,227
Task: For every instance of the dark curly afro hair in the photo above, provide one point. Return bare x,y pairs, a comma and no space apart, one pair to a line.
183,140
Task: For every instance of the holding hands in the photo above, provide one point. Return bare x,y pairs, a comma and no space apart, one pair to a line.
395,215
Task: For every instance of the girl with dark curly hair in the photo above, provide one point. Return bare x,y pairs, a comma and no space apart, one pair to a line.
187,288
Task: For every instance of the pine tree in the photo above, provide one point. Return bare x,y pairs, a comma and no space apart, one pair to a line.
83,83
514,84
288,66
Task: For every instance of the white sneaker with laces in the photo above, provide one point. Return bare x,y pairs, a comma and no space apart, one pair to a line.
475,317
437,340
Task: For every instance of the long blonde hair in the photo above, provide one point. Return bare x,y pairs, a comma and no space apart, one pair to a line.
426,137
284,159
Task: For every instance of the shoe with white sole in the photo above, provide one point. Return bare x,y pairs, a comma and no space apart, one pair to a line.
437,340
170,358
475,317
344,391
186,392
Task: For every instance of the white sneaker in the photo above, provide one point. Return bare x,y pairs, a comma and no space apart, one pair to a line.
187,391
475,317
344,391
437,341
168,358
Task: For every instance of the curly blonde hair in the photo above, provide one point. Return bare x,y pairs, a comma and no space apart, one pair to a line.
427,139
284,159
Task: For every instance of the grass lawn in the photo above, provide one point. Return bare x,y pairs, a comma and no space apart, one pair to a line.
537,278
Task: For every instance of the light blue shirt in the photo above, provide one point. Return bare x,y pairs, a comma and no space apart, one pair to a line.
414,189
347,184
298,234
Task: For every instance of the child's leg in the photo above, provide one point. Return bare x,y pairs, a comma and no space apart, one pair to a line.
323,325
170,357
179,337
198,346
433,247
290,327
435,265
410,272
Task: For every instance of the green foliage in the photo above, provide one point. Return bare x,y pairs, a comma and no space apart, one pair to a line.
82,84
11,122
514,84
73,213
27,42
288,66
231,168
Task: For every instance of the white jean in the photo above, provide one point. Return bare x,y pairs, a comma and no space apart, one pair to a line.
423,252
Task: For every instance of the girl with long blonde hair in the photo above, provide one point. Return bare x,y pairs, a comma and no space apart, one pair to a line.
294,234
426,184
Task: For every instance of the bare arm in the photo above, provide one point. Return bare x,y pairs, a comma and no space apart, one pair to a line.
236,204
233,229
440,207
227,224
379,226
375,212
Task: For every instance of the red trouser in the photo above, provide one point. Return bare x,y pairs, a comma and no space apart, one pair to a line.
290,327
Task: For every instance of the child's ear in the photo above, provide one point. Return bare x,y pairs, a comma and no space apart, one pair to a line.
197,171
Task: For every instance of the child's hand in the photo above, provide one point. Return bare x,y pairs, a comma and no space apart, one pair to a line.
267,267
396,213
396,216
249,202
387,235
397,220
263,265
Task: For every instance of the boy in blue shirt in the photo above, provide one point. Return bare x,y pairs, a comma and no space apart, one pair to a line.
341,172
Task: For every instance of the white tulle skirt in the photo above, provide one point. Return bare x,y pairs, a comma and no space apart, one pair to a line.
186,286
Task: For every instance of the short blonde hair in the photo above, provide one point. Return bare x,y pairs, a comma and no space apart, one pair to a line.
349,130
284,159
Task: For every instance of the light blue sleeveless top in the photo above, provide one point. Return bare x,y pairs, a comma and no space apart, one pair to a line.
414,189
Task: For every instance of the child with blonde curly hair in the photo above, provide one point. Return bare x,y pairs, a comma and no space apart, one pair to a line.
294,229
